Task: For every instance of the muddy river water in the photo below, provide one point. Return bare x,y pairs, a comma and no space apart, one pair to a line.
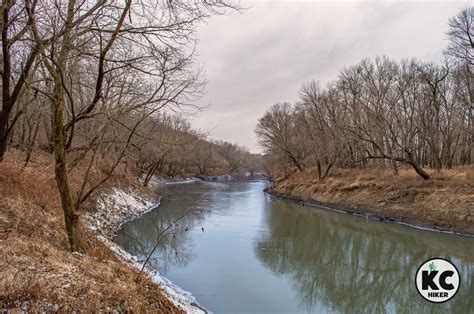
243,251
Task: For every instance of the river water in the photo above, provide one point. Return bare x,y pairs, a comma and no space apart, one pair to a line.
243,251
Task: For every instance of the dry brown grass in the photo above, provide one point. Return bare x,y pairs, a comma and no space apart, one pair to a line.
38,272
446,200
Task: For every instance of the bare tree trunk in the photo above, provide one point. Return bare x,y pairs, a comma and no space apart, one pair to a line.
31,143
328,169
318,166
6,75
70,217
10,92
150,173
422,173
295,162
3,134
395,168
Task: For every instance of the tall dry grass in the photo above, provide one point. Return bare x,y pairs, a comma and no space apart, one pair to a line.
38,273
446,200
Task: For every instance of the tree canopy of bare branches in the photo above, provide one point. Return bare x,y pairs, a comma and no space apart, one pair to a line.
409,113
105,69
380,111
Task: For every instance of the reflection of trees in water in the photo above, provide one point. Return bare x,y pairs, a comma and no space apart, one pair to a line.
139,236
175,249
351,265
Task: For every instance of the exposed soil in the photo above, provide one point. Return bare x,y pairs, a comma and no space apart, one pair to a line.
445,202
39,273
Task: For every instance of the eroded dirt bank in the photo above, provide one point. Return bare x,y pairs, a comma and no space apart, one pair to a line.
445,202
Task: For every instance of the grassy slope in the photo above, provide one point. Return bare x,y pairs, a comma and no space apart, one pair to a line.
38,272
445,201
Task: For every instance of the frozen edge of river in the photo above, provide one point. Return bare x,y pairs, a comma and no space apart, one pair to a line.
118,206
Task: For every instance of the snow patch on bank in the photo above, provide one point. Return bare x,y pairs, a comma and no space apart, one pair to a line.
182,299
168,181
118,206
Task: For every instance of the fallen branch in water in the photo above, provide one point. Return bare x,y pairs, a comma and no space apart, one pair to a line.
161,236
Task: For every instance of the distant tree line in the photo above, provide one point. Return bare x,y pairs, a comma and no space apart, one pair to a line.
172,148
416,113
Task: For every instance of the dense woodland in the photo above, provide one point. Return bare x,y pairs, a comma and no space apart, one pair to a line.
381,113
106,85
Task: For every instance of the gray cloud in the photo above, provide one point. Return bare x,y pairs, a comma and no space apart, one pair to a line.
262,56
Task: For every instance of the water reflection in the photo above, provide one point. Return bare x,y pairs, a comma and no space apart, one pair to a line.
259,254
353,265
177,249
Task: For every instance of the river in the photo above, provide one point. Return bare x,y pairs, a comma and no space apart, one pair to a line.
243,251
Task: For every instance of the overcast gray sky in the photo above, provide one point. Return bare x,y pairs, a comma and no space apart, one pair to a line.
255,59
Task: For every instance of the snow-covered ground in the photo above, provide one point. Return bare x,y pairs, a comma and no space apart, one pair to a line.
175,294
114,208
168,181
117,206
177,180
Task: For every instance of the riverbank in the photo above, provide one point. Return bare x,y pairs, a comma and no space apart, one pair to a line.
117,206
39,273
444,203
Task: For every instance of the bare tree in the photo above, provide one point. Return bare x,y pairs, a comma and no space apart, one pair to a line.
461,36
18,59
322,119
133,60
461,50
277,134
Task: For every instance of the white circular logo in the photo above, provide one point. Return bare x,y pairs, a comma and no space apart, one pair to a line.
437,280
